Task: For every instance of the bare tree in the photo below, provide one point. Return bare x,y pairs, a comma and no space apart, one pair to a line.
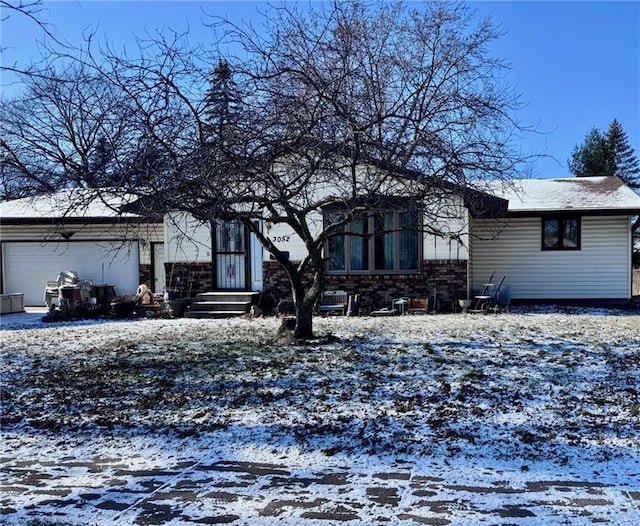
64,129
29,8
33,10
344,109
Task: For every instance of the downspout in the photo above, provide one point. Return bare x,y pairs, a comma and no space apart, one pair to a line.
214,259
469,252
630,259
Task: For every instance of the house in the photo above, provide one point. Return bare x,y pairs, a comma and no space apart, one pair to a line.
223,256
558,240
68,230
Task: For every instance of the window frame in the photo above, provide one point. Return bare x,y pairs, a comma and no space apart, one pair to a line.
562,220
372,240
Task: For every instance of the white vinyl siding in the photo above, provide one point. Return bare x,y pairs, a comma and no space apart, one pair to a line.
452,222
452,247
186,239
152,232
600,269
144,233
283,237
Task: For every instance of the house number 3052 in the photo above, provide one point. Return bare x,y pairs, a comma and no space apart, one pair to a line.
280,239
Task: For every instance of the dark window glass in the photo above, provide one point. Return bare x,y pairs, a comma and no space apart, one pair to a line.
571,234
359,244
336,245
561,233
383,241
408,241
551,233
377,242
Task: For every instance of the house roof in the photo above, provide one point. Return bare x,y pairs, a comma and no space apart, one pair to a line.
71,206
587,195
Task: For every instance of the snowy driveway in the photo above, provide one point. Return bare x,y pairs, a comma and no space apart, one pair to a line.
525,418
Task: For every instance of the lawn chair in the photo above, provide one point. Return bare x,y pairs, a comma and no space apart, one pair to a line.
489,299
418,306
333,301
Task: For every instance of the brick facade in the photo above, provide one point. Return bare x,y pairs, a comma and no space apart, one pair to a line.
186,280
144,275
443,282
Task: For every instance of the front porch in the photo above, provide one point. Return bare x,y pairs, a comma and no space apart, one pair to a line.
222,304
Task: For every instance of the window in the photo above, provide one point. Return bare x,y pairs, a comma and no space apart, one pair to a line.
377,242
561,233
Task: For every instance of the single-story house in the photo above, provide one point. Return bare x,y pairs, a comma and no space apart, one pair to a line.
555,240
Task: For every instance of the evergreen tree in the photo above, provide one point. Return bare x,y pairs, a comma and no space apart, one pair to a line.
621,155
148,164
606,154
221,105
590,159
101,164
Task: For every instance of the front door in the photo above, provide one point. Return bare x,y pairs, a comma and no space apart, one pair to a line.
231,255
158,267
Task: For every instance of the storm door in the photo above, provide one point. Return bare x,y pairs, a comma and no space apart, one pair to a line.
231,255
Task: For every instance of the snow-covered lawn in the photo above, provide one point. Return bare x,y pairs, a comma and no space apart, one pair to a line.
484,402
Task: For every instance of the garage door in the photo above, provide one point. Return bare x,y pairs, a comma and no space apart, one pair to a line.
28,266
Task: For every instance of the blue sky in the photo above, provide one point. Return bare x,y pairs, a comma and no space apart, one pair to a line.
575,64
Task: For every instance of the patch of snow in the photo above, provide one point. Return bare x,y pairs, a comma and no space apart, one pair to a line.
480,410
567,194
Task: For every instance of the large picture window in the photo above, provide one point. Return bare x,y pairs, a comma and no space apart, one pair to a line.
377,242
561,233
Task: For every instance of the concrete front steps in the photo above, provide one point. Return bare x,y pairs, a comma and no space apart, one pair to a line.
223,304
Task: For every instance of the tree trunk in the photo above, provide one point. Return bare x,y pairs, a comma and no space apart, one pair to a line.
304,322
304,301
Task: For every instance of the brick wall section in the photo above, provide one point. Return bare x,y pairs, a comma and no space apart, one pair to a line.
275,281
144,275
443,282
189,279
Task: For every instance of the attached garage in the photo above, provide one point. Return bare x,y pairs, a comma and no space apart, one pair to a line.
92,235
27,266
